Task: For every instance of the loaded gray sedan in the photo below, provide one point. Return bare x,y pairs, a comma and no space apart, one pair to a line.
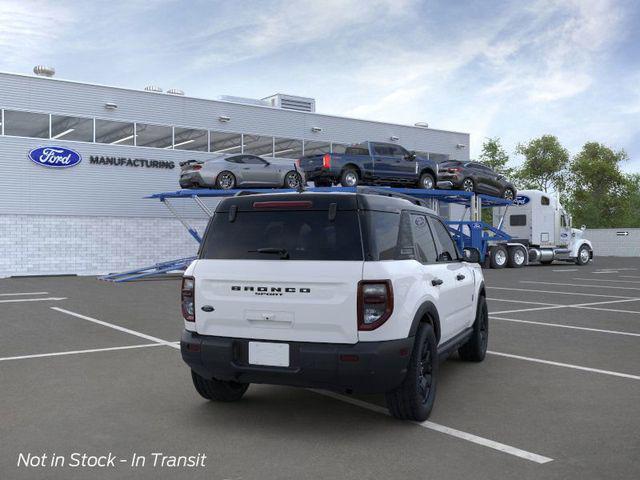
240,170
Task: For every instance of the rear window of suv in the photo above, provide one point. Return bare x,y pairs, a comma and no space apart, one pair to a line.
303,235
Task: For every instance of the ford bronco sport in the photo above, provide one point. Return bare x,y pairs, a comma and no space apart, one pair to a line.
353,292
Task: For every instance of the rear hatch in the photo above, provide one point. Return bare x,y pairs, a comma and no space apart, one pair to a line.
449,168
315,163
281,267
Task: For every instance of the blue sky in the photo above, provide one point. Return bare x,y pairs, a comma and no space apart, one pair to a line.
515,69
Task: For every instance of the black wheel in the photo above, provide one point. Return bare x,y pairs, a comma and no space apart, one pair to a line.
292,180
476,347
584,255
225,180
217,389
468,185
349,178
508,194
499,257
517,257
413,399
427,182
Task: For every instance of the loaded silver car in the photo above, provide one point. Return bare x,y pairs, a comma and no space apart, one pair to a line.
240,170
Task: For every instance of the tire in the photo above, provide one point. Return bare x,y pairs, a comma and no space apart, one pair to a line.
584,255
499,257
225,180
427,181
292,180
476,347
468,185
349,177
508,194
217,389
517,257
414,398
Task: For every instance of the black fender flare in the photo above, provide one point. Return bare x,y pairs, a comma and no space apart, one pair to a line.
430,310
430,171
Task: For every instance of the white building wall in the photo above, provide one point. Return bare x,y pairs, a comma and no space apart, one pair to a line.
612,242
55,245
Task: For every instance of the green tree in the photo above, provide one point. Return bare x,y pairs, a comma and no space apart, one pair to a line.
545,164
494,156
600,194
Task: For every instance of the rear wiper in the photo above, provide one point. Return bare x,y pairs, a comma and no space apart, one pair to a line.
284,255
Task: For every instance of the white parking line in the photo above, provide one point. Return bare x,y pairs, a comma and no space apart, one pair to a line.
27,293
566,270
581,285
605,280
48,299
577,305
629,276
520,301
469,437
76,352
573,327
635,312
533,309
560,293
118,327
565,365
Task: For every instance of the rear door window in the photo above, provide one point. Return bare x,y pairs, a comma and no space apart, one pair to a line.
447,250
426,251
303,235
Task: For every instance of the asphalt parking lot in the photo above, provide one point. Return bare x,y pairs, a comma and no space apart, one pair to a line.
89,366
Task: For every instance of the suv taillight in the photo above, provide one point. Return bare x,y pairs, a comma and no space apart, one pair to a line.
375,303
326,160
188,303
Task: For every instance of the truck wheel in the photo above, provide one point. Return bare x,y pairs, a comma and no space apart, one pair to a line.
584,255
508,194
517,257
476,347
426,181
413,399
349,178
217,389
499,257
225,180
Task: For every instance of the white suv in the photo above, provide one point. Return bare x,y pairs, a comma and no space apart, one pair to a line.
351,292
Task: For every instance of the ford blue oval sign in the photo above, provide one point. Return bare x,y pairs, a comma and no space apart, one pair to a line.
56,157
521,200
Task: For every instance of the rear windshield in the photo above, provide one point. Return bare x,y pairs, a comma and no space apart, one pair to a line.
285,235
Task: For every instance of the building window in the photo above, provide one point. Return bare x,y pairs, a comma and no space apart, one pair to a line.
226,142
257,145
287,148
26,124
157,136
190,139
115,133
316,148
71,128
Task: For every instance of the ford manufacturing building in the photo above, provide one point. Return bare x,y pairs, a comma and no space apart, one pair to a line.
91,217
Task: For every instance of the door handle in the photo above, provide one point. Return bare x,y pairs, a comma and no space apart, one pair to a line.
436,281
460,277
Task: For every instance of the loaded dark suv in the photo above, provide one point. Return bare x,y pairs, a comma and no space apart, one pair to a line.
474,177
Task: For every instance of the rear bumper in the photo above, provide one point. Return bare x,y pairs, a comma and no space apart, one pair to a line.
189,180
320,173
380,366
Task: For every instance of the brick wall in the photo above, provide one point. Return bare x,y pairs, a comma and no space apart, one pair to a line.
50,245
611,241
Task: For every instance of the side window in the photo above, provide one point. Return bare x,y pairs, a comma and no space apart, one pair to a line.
544,201
447,250
381,150
397,151
253,160
238,159
563,221
517,220
425,247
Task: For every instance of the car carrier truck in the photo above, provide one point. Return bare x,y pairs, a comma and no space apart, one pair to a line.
540,231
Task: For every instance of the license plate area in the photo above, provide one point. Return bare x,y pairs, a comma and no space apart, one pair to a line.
269,354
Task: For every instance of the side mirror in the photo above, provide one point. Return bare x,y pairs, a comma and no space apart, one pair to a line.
583,228
411,156
471,255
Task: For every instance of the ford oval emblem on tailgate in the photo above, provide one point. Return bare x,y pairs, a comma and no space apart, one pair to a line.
55,157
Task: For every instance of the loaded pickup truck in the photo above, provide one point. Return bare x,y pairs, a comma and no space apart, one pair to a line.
370,163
